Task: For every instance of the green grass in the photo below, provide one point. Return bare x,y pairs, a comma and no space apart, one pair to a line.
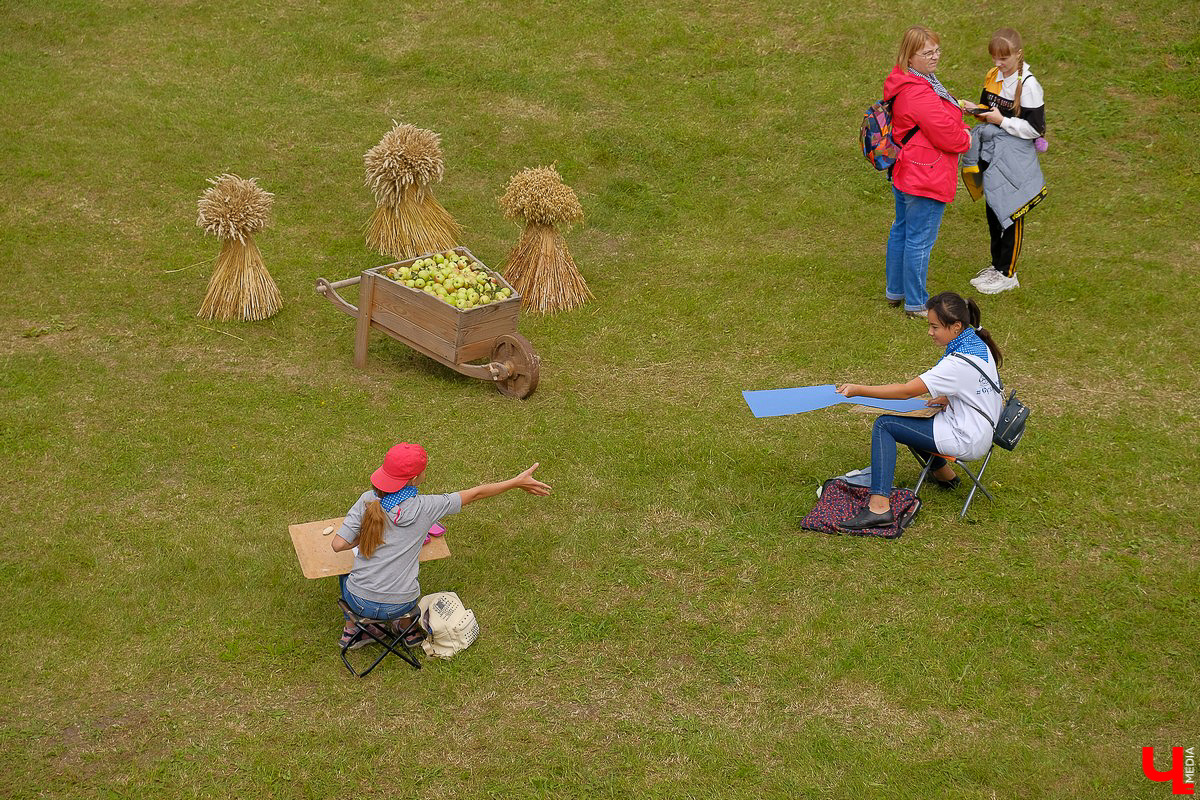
659,626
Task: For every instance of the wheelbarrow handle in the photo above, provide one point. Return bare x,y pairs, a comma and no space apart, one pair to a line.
337,284
329,290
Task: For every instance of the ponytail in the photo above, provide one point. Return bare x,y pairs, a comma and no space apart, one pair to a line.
951,308
370,533
1020,83
983,333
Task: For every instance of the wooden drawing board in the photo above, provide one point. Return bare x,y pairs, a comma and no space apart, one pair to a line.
317,559
920,412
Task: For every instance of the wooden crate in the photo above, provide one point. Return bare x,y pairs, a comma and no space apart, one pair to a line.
437,328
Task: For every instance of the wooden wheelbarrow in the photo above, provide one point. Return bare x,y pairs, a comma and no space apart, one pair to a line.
449,335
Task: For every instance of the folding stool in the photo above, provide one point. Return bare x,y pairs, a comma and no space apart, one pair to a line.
393,643
977,480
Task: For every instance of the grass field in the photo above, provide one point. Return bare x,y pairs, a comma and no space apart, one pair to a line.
659,626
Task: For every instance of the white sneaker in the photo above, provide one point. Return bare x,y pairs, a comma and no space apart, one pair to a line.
1000,284
985,280
982,275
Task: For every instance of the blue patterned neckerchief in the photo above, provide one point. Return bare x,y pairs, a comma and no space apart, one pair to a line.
393,500
968,342
942,91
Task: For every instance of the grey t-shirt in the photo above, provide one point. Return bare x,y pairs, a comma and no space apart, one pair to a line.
390,574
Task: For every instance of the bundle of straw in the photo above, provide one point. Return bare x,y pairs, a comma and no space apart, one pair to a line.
540,267
233,209
408,221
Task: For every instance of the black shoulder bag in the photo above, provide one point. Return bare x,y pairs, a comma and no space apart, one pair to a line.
1011,426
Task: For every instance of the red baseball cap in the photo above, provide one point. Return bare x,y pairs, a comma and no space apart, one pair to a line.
401,464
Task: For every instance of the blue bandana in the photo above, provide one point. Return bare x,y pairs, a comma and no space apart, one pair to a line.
968,342
390,501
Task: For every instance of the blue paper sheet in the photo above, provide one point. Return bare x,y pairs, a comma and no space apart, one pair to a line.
778,402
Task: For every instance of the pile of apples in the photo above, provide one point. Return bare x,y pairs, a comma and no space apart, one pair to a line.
452,278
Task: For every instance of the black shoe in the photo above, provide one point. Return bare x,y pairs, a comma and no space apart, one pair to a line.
869,519
950,484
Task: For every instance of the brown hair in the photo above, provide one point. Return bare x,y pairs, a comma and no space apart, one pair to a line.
914,39
370,533
1004,43
951,308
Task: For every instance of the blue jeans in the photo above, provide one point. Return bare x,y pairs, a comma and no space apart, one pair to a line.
908,247
372,609
916,432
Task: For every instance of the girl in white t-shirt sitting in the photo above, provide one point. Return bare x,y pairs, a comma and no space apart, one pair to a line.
968,405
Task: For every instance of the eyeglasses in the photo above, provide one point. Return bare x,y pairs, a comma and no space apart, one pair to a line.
931,53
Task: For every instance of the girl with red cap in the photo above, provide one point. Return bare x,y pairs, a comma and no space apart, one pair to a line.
389,523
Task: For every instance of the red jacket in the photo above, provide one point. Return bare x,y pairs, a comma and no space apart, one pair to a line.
928,164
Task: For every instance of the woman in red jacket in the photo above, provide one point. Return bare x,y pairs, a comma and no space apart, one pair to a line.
926,172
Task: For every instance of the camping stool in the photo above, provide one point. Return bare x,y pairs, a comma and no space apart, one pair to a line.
395,646
977,480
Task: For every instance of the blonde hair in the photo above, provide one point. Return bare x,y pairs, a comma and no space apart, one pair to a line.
914,39
1004,43
370,533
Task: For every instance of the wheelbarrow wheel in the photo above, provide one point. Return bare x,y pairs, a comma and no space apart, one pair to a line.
516,353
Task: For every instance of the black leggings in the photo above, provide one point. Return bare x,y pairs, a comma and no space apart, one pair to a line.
1006,243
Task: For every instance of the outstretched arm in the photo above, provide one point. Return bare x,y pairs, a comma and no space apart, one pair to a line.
890,391
525,481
